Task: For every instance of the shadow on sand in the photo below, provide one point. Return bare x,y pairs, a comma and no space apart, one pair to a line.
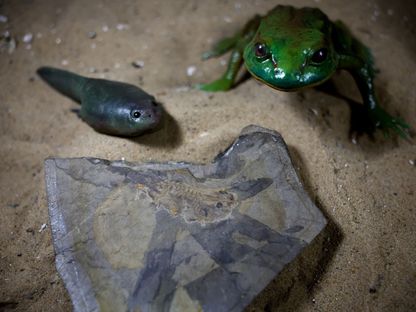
168,135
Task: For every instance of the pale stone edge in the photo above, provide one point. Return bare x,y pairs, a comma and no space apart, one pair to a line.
76,280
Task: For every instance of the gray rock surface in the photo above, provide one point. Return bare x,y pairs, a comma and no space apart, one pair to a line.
178,236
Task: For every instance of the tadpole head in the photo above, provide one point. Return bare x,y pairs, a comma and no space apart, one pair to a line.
142,116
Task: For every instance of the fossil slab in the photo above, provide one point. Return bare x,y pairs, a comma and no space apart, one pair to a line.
178,236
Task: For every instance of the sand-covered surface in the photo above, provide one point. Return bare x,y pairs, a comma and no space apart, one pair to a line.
363,261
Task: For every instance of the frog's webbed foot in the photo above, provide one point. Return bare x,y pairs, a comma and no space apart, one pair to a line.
366,121
221,84
383,120
360,122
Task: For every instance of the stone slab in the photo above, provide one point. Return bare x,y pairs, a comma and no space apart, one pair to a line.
178,236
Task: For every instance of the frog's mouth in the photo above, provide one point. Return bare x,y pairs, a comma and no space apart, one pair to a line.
287,89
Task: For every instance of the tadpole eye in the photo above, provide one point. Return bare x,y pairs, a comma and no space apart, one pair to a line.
135,114
260,50
320,56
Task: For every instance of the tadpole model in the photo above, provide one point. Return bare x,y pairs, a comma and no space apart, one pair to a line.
109,107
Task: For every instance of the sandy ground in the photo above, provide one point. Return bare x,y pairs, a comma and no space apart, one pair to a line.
363,261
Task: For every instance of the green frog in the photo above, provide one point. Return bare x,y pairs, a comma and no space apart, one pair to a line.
289,49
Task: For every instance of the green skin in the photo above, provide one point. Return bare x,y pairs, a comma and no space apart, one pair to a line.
289,49
110,107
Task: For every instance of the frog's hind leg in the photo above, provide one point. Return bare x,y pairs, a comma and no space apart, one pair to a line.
379,118
237,44
358,60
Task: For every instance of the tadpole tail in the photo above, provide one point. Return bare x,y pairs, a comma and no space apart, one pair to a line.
65,82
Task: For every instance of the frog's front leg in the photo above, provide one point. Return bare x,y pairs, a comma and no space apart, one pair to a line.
363,76
227,80
221,47
237,43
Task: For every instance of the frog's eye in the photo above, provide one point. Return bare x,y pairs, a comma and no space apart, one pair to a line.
135,114
260,50
319,56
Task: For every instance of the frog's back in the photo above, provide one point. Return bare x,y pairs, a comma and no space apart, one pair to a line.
283,18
